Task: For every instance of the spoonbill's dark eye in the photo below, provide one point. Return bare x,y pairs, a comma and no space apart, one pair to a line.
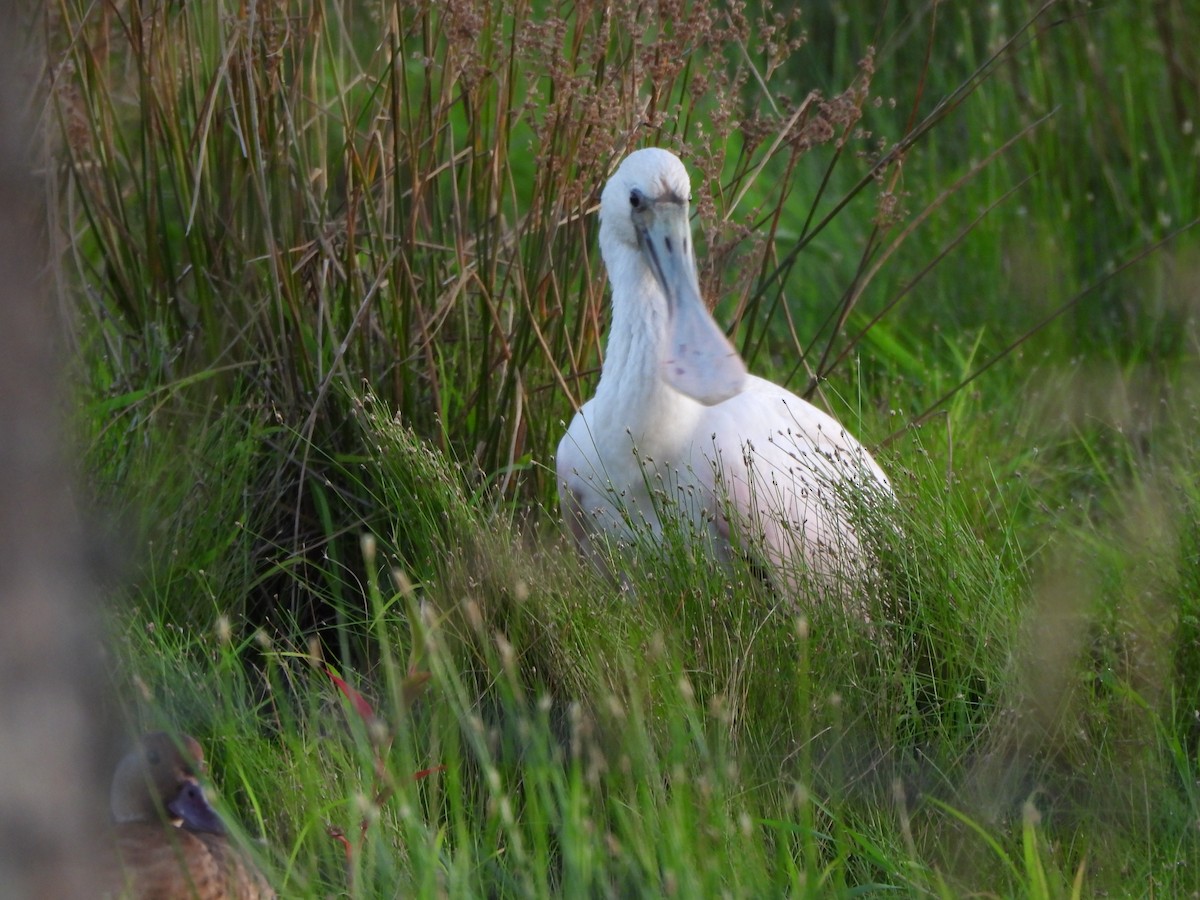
635,199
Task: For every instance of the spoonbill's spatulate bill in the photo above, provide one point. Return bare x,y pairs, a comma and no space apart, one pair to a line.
677,424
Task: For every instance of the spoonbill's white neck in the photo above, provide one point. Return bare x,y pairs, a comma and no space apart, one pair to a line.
631,378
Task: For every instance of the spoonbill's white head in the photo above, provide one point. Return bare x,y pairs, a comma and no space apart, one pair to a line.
644,228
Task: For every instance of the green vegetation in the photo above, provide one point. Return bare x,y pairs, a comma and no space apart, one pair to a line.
333,284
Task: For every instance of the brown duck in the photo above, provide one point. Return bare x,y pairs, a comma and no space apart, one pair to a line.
170,843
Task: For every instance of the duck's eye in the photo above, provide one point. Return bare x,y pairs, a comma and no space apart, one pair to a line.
635,199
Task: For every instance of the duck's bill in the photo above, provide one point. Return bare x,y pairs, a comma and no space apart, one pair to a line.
192,808
699,360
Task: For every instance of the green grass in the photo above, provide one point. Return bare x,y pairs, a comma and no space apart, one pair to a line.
333,282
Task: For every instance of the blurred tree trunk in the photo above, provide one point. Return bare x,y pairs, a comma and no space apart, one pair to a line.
51,806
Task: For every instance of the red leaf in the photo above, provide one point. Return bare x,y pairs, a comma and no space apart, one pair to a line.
338,835
361,706
417,776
